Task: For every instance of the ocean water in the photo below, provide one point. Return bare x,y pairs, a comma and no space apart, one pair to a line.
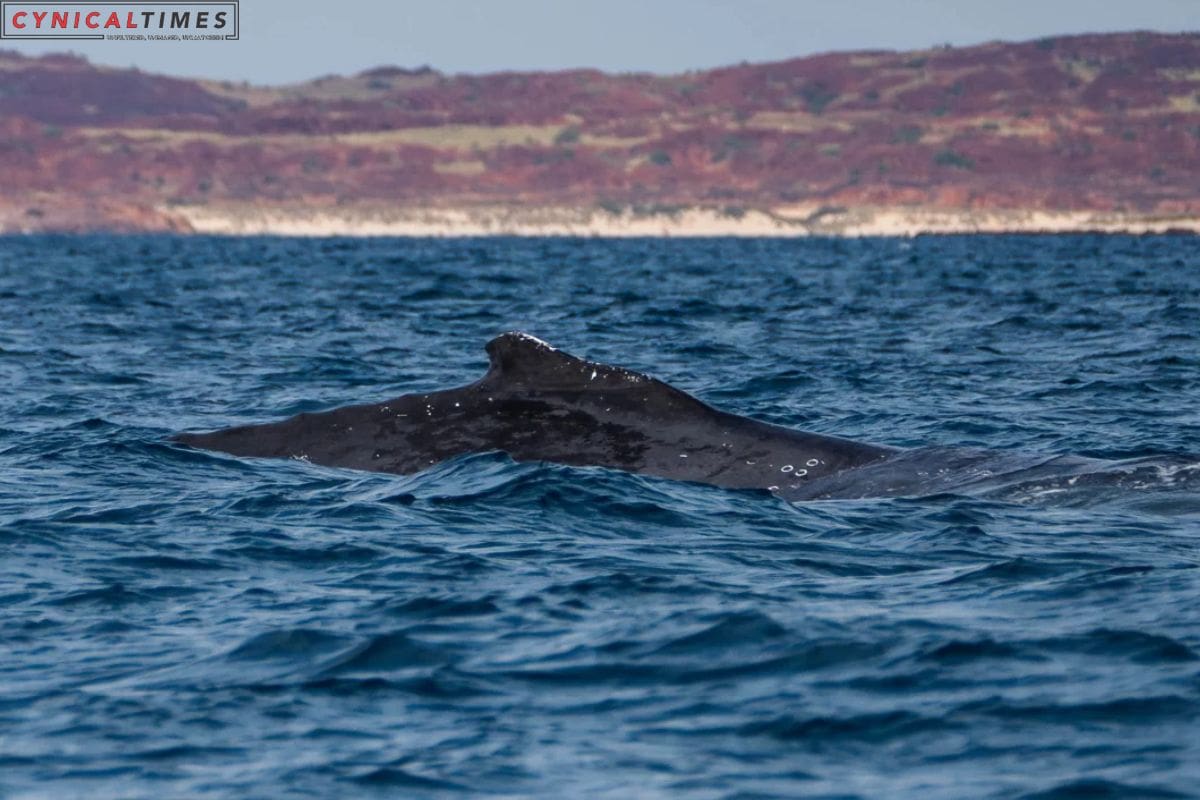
176,623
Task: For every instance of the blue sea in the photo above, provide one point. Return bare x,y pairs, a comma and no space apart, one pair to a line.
176,623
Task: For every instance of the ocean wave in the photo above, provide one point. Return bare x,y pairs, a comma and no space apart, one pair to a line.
180,623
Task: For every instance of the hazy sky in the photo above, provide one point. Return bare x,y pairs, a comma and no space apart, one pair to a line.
291,40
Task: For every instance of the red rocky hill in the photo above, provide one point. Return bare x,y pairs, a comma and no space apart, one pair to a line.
1105,123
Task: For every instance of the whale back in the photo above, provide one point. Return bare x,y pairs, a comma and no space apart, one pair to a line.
538,403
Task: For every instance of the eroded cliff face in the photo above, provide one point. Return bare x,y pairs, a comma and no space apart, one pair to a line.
1106,124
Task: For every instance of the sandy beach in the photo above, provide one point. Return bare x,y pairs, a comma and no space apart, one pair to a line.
690,222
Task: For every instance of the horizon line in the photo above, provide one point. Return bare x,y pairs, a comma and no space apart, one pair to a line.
430,69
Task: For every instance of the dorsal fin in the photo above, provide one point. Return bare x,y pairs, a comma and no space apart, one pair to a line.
520,359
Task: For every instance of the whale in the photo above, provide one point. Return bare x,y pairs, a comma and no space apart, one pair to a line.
537,403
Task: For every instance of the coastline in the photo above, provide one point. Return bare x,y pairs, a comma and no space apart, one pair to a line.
382,220
794,221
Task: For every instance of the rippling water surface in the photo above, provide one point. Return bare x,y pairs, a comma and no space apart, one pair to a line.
182,624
